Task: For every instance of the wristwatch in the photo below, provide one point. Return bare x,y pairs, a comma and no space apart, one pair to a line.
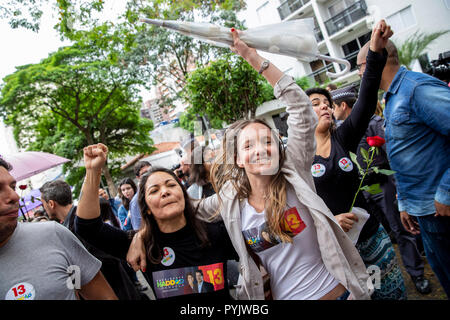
264,66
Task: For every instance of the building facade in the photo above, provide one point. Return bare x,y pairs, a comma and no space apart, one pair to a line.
343,26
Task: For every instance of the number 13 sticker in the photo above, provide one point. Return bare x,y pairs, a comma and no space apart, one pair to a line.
21,291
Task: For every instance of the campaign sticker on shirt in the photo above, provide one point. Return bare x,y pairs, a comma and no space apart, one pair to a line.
346,164
169,256
293,223
317,170
21,291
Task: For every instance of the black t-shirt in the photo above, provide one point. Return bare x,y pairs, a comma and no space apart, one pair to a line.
182,255
336,180
336,177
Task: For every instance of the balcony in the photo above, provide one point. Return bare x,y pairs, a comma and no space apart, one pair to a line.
345,18
290,6
320,75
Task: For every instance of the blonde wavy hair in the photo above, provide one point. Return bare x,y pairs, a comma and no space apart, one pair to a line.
225,170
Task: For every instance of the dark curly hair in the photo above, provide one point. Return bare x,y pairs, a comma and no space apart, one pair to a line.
327,94
5,164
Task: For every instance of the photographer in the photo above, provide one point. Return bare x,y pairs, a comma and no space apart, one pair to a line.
440,68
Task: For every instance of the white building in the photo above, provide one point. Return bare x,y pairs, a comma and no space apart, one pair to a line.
343,26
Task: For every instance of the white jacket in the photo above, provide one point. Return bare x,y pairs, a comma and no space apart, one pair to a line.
339,255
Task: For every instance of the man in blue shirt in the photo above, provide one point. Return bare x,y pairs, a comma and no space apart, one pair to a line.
417,134
140,168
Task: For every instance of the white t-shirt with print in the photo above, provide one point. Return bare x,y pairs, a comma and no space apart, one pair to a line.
296,270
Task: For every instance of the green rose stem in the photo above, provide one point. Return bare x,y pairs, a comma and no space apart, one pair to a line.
362,180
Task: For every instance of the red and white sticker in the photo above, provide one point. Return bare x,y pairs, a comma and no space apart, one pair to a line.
346,164
168,257
21,291
317,170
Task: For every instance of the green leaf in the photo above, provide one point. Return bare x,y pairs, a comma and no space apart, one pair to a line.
375,169
364,154
372,189
355,161
386,172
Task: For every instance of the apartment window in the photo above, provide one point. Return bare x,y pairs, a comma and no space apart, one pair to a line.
263,12
402,19
352,48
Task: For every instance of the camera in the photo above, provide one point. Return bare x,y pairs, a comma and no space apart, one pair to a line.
440,68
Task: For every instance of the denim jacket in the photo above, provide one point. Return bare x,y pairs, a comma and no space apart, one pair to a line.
417,133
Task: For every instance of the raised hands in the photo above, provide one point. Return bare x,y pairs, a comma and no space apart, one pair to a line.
272,73
380,36
240,47
95,156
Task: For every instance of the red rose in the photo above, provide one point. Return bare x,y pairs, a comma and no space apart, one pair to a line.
375,141
22,186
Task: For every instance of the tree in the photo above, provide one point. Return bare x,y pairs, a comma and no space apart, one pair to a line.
415,45
170,56
228,89
79,95
28,13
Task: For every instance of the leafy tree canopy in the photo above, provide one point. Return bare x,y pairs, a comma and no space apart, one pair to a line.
228,89
79,95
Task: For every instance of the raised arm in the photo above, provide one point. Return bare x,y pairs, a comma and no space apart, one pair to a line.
88,223
302,120
94,159
271,73
351,131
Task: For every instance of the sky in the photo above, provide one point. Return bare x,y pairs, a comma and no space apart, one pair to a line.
22,46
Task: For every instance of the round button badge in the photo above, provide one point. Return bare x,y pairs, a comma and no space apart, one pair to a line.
21,291
346,164
168,257
317,170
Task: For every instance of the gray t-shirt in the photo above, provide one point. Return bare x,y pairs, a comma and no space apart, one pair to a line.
44,261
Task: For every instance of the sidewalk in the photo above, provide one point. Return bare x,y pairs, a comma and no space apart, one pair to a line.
437,292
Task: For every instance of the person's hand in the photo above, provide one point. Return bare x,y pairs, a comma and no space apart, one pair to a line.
136,256
409,223
380,36
95,156
346,220
442,210
240,47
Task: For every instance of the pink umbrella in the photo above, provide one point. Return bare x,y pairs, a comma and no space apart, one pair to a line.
30,163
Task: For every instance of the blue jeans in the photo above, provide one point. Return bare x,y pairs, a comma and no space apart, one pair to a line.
435,233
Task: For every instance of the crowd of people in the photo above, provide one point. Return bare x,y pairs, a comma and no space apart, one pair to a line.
258,218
